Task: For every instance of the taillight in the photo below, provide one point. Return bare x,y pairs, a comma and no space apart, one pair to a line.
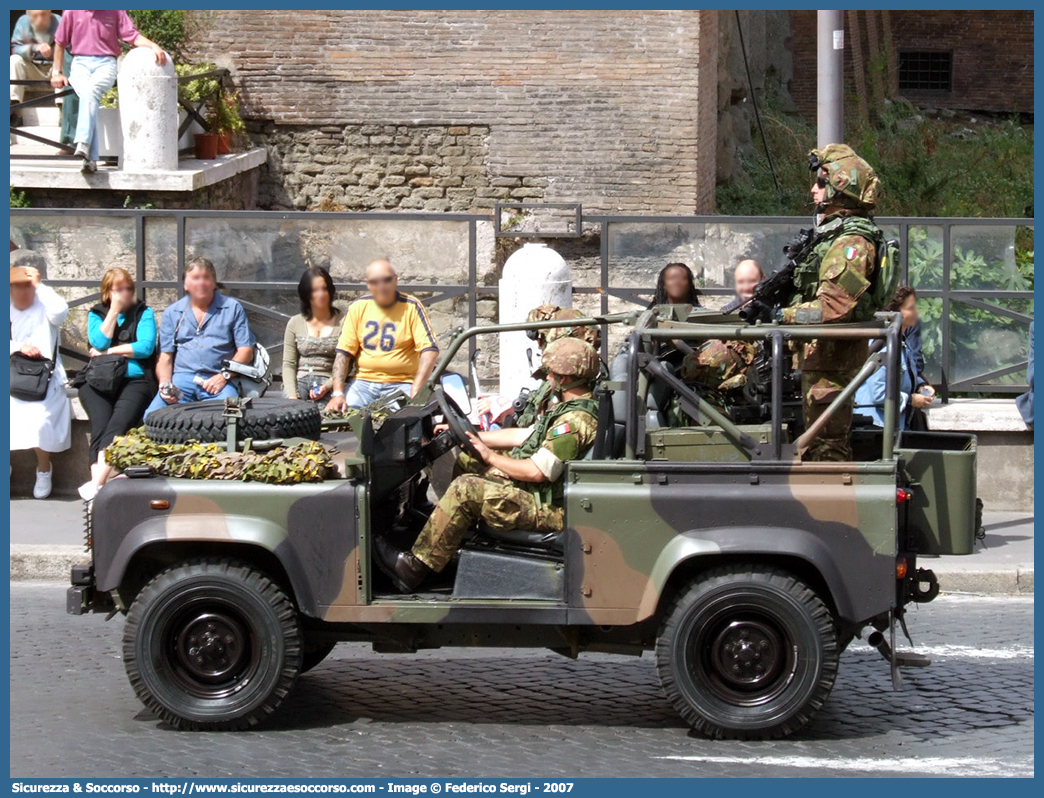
900,568
902,495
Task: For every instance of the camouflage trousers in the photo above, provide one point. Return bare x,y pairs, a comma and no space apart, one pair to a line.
819,389
501,504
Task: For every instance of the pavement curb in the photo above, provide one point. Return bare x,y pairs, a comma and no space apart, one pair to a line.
38,562
1013,580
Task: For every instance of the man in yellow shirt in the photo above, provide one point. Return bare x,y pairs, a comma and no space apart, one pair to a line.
388,335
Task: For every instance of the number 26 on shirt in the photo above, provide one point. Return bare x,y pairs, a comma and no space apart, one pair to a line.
386,333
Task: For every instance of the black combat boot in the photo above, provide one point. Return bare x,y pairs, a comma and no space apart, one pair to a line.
405,570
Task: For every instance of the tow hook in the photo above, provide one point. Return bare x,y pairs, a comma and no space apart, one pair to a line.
924,576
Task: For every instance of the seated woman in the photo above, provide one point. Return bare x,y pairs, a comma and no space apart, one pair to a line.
37,314
124,326
310,342
676,285
913,395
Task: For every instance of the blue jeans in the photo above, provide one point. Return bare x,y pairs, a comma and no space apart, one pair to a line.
362,393
190,392
91,76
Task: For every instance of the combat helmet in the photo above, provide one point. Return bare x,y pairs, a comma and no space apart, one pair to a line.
851,181
545,336
571,357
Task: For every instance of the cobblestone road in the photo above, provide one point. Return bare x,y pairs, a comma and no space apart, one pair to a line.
514,714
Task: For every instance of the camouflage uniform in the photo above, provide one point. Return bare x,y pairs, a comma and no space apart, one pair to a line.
831,286
718,369
566,432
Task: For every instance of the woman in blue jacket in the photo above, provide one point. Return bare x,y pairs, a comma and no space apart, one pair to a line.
118,325
914,394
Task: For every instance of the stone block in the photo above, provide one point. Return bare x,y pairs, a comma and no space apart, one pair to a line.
422,182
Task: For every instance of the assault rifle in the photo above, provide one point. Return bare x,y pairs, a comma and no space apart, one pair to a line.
776,289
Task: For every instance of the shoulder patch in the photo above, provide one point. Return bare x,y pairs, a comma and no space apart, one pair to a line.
561,429
851,253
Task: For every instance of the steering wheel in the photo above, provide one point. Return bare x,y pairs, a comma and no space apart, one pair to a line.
458,422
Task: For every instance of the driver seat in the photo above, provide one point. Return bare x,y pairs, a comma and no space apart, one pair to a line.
550,542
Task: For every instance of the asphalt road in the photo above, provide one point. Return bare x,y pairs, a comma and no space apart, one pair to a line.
506,713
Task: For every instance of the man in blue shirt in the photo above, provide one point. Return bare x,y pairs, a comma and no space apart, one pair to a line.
197,333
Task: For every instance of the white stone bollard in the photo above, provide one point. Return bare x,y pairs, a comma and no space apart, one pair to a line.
533,275
148,112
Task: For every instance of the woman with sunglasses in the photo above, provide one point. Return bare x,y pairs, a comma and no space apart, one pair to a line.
123,326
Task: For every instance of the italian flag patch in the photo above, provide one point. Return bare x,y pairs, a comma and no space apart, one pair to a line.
561,429
851,252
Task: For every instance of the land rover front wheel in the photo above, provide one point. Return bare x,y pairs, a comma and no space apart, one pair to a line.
747,653
212,644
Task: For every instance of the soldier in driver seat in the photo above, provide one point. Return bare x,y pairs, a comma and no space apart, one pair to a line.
521,487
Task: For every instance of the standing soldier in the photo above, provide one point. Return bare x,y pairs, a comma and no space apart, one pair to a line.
521,488
831,286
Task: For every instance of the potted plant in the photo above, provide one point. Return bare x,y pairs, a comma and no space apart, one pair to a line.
224,118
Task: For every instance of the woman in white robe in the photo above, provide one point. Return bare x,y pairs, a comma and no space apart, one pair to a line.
37,314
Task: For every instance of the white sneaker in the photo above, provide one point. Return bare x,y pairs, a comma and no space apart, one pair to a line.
88,490
42,488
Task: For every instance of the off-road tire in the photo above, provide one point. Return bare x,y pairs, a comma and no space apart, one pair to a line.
727,623
212,645
262,419
314,652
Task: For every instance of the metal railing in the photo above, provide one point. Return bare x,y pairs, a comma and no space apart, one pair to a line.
192,111
610,287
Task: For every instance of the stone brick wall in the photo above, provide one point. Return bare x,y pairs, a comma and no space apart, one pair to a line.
603,108
992,57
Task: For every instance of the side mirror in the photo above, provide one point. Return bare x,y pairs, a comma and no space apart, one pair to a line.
457,390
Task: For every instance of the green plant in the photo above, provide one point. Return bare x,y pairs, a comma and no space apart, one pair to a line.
111,99
171,30
19,199
929,166
201,89
223,115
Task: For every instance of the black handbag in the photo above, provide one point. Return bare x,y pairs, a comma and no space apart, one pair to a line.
31,376
104,373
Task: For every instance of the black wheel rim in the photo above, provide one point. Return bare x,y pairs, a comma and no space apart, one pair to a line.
212,649
746,656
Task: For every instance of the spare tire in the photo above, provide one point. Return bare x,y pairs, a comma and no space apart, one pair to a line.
262,419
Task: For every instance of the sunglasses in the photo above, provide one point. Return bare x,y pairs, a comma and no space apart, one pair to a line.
821,181
381,281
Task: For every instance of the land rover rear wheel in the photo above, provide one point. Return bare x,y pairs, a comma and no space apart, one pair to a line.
212,644
747,653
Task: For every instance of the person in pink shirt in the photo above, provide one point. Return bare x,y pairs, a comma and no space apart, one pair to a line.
93,37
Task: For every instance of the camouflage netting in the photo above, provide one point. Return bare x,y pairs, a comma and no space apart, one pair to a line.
304,462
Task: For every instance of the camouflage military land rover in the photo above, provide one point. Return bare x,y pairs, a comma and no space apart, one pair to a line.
692,529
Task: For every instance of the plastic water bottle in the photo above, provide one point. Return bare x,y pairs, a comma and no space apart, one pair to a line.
316,386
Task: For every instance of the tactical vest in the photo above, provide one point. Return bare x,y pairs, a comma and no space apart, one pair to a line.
550,492
531,411
806,275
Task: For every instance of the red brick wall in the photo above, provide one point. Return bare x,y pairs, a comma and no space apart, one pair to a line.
992,57
607,107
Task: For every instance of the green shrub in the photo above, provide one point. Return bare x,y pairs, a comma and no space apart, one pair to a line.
928,166
19,199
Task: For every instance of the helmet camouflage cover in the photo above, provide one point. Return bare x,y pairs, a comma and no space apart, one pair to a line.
591,334
851,181
718,366
571,357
